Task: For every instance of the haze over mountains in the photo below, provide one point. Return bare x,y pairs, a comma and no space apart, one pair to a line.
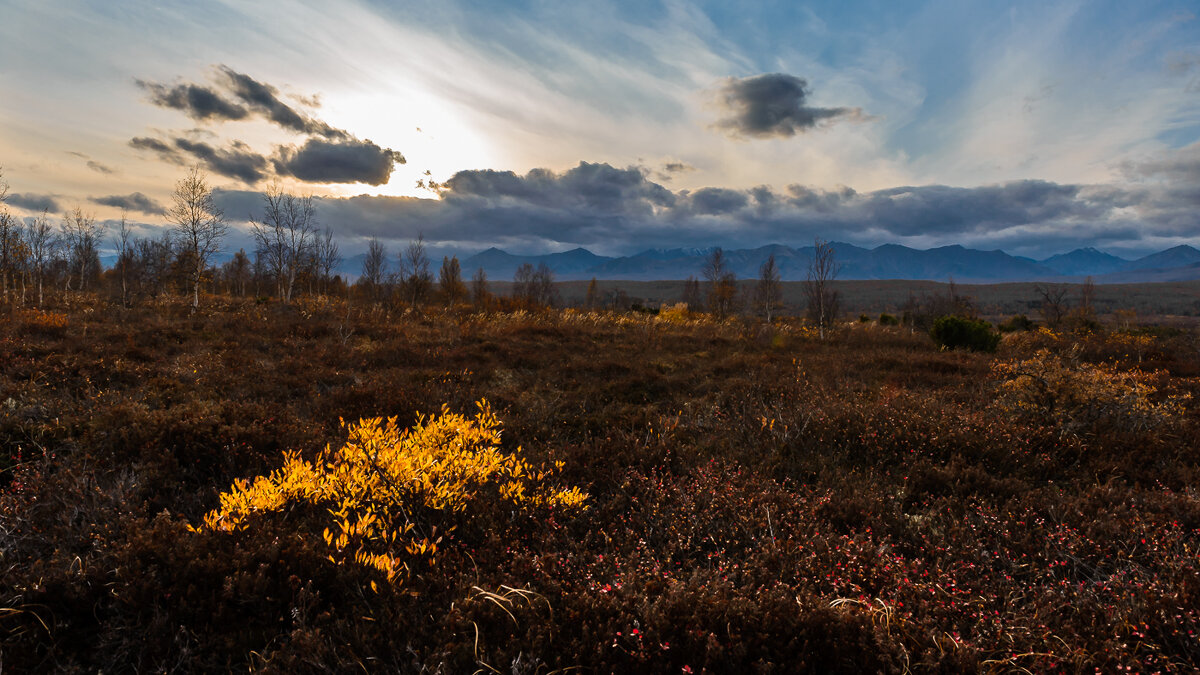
890,261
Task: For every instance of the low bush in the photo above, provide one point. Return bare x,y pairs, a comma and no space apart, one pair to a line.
386,486
1020,322
1078,397
956,332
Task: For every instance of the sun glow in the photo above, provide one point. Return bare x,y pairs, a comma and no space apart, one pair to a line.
433,135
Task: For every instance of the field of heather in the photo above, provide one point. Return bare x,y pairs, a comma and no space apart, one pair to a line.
334,487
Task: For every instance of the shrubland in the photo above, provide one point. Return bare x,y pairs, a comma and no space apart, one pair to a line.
318,487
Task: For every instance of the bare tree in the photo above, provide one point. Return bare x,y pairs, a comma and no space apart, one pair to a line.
237,273
329,256
722,283
450,281
479,289
12,251
822,298
199,225
10,239
522,289
768,293
593,294
415,276
40,239
543,286
1053,303
1087,300
285,234
81,236
122,243
374,267
691,294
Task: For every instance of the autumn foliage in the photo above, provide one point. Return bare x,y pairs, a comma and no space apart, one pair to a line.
670,493
382,487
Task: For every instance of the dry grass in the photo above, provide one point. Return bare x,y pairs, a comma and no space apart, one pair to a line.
759,499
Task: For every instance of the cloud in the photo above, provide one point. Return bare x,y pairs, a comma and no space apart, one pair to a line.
196,101
349,161
99,168
237,161
772,105
163,150
668,170
263,98
91,164
238,96
716,201
621,211
34,202
132,202
329,155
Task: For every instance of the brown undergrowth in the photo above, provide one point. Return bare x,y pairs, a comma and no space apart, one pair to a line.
758,499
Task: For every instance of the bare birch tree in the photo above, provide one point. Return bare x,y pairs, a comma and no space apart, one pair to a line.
722,283
123,245
768,292
199,225
374,267
822,298
81,237
415,276
328,256
285,235
39,237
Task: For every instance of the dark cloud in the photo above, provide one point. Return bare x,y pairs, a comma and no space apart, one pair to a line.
716,201
618,210
237,97
237,161
154,145
317,161
772,105
820,201
264,99
132,202
350,161
34,202
329,155
196,101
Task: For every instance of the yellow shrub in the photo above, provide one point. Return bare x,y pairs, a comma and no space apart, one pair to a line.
677,313
375,486
41,320
1077,396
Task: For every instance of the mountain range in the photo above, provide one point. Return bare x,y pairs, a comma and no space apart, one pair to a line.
890,261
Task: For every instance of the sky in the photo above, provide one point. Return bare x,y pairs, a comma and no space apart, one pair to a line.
537,126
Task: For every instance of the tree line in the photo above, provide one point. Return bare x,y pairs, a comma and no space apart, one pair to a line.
719,292
292,254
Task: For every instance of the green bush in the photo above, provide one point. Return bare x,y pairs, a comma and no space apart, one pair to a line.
888,320
1017,323
952,332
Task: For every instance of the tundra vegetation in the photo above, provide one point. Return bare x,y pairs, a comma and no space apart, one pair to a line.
472,482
